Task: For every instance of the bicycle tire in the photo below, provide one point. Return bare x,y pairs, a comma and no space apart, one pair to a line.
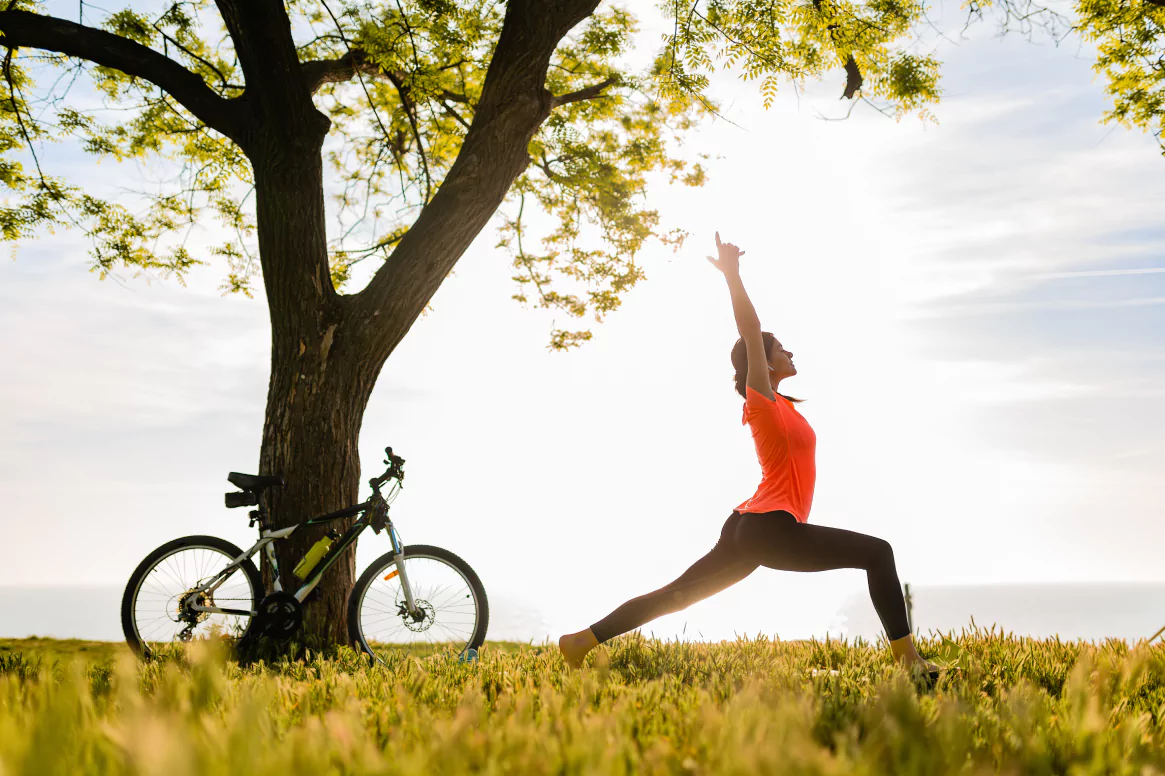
132,588
378,566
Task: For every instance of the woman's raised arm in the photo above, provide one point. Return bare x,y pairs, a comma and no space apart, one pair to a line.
747,322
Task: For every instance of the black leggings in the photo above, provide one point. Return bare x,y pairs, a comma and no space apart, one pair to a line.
778,541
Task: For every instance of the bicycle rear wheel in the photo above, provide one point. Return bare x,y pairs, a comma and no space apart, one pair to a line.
453,610
151,607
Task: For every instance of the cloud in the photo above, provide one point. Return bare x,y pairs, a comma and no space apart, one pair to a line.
1099,273
947,310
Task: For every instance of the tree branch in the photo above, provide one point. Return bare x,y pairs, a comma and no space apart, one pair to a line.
454,114
318,72
853,78
513,104
409,106
222,78
454,97
588,93
19,119
261,33
48,33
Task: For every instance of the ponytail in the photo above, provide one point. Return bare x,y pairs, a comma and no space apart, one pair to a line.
739,379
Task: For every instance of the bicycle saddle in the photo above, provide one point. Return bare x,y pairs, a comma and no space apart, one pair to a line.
254,481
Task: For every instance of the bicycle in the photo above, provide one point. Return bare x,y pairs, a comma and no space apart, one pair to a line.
430,597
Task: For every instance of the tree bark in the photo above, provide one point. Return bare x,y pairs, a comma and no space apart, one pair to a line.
319,384
315,405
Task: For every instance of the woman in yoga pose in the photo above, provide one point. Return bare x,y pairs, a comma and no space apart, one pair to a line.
771,528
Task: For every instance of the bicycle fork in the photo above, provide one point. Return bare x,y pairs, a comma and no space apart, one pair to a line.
399,561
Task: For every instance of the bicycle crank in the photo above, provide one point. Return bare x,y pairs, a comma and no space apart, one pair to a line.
280,616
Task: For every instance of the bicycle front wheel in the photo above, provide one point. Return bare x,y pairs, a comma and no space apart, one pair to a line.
153,607
451,614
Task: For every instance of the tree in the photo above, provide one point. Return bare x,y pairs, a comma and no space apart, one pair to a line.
433,114
1130,40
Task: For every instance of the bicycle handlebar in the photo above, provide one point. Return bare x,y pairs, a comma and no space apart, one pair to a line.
395,469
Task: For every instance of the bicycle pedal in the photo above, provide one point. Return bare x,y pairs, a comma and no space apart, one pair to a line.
468,656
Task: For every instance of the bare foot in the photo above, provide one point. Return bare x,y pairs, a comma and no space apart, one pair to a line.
575,646
908,657
922,665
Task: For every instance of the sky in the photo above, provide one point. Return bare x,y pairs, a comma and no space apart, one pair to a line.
976,311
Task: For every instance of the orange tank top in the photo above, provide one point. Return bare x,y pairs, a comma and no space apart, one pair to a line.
785,446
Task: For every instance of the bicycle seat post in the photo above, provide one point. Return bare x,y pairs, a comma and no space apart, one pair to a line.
259,515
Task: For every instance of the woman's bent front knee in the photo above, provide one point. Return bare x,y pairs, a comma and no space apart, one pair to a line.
879,555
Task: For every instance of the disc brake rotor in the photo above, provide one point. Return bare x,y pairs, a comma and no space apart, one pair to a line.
428,616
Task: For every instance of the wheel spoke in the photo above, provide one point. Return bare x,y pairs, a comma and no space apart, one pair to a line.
180,570
442,593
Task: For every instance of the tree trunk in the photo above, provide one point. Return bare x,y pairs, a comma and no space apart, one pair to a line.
318,389
315,405
326,349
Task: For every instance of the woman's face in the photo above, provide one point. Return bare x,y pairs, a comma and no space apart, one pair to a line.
781,362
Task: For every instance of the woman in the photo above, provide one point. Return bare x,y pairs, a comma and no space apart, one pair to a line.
770,529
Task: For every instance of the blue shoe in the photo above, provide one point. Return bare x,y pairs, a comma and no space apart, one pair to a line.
468,656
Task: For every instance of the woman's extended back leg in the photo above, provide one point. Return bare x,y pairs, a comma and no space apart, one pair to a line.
722,567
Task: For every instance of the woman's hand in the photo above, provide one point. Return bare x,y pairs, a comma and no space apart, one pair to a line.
729,261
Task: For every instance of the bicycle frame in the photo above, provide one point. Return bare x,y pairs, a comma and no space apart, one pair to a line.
266,542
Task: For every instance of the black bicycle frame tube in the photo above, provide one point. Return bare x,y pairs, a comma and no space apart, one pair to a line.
342,513
346,540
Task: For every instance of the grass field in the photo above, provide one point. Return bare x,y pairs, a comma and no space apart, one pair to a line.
1016,706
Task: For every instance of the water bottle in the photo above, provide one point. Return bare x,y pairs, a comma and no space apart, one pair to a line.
317,551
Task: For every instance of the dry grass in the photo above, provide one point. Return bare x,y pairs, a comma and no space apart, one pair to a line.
640,706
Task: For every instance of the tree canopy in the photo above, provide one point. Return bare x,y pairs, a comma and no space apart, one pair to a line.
400,82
